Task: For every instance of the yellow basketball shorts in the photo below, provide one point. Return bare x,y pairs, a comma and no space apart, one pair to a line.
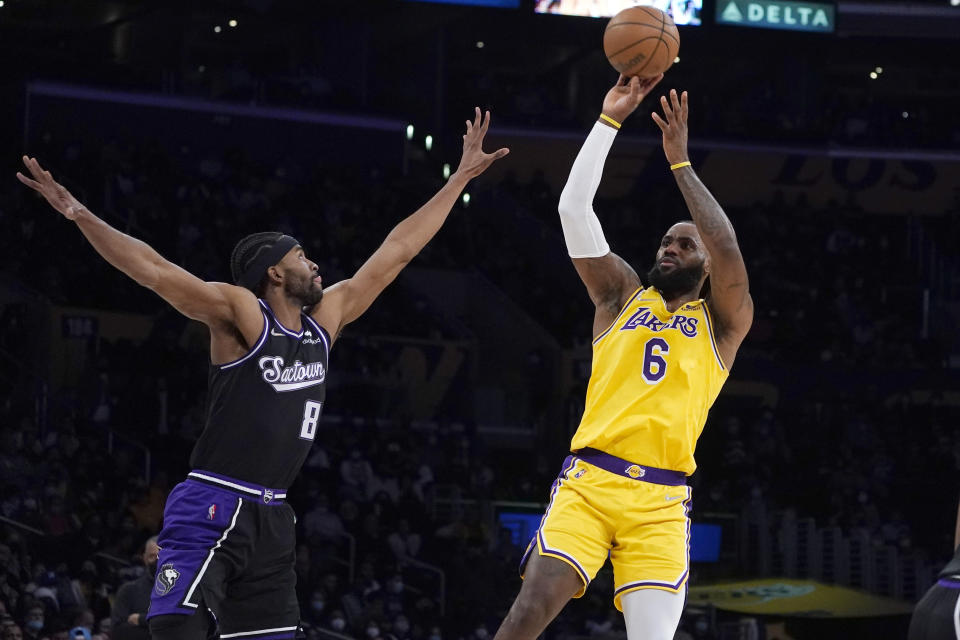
602,506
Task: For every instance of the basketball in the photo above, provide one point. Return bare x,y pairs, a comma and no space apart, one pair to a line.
641,41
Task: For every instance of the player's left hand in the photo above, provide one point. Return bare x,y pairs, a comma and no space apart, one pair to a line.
474,160
674,128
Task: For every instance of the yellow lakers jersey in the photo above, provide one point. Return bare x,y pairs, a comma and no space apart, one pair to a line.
655,376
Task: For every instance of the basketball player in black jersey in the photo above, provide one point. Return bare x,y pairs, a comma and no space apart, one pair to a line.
227,544
937,615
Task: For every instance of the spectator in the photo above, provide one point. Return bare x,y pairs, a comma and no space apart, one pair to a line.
322,523
356,475
12,632
315,612
33,623
403,542
337,622
130,606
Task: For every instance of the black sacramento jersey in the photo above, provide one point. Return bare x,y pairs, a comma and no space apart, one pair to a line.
952,570
263,409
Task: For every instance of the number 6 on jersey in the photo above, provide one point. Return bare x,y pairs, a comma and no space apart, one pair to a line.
654,366
311,416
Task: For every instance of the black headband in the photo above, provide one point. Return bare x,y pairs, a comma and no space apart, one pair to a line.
254,273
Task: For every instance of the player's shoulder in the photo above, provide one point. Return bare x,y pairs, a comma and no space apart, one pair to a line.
245,311
235,294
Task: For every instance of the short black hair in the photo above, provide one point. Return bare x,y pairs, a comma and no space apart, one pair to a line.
247,250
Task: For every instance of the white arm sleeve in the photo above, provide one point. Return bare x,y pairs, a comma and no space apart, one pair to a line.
581,228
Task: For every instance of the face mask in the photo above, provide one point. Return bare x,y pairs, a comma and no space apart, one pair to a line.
317,605
35,625
373,632
338,624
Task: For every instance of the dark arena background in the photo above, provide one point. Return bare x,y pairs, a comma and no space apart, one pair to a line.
827,483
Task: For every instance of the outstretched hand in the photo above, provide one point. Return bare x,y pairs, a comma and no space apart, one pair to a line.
625,96
55,193
674,127
474,160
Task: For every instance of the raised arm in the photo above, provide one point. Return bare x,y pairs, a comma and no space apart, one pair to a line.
608,278
346,301
224,308
729,298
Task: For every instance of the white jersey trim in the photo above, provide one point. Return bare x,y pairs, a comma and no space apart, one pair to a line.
206,563
250,633
232,485
321,331
256,347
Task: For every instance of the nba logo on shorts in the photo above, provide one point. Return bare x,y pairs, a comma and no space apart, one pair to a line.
636,471
166,577
267,496
579,474
212,512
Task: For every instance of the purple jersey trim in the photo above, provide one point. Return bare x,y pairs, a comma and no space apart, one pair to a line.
279,324
631,470
633,297
256,347
568,464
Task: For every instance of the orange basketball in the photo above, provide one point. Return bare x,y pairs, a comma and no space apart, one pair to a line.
641,41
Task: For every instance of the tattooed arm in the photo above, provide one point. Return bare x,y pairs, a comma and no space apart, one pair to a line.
729,299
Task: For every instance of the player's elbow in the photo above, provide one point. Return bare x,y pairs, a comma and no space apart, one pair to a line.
570,205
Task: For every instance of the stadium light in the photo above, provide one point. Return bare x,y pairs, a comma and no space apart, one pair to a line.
428,142
873,75
879,69
676,60
217,29
232,23
409,132
446,170
466,199
905,115
953,3
480,44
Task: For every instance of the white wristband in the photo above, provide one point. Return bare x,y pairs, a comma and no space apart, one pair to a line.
581,227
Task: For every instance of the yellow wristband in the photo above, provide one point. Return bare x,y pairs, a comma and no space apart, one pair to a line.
607,118
679,165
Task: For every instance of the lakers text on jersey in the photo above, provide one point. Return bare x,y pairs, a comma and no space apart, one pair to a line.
655,376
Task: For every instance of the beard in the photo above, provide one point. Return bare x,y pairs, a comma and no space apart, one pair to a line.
676,282
304,291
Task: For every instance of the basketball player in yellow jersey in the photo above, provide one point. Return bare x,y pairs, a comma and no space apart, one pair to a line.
660,356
